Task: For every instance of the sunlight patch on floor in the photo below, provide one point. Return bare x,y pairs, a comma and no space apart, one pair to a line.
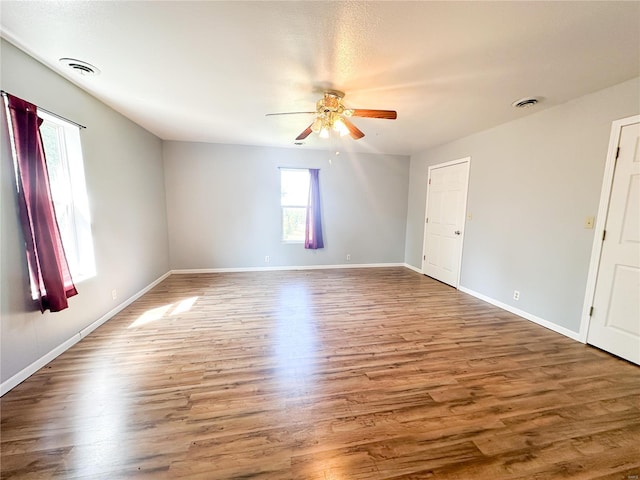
170,310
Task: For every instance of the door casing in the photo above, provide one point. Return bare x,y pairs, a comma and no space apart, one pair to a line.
601,220
466,160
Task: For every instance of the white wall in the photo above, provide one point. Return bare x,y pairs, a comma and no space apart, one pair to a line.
125,183
223,206
532,183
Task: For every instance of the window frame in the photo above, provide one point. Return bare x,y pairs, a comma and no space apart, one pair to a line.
77,235
283,206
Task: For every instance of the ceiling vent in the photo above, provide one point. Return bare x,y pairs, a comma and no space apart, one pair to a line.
525,102
83,68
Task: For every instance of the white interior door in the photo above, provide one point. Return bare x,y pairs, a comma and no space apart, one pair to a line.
615,315
444,222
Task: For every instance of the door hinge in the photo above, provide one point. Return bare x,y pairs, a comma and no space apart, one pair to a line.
424,257
604,235
429,181
427,220
591,312
617,153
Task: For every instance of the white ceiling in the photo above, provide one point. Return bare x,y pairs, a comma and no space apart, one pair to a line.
210,71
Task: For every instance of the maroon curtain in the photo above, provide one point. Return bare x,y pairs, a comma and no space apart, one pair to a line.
50,278
313,230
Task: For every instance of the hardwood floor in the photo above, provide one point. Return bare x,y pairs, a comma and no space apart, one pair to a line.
323,374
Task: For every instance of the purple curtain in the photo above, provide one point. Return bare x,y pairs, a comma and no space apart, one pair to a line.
313,230
50,277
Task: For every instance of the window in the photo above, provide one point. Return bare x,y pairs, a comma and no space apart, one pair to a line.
294,195
63,153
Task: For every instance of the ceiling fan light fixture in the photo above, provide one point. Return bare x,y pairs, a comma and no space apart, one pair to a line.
340,127
332,116
324,132
316,126
332,99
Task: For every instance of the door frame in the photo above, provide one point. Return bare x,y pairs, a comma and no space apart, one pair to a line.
466,160
601,221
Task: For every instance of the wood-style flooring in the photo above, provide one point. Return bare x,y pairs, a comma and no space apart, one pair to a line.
349,374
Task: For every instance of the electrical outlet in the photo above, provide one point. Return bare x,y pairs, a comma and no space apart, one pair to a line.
516,295
267,259
348,257
114,294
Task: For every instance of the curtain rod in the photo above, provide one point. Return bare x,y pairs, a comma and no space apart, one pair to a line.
4,94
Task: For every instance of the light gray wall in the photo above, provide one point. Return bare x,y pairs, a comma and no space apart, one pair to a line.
223,206
125,183
532,183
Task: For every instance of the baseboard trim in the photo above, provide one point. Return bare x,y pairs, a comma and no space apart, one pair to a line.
26,372
182,271
521,313
90,328
411,267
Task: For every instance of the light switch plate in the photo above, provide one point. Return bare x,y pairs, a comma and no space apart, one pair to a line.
589,221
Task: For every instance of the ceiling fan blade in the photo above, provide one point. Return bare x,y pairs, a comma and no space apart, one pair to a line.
388,114
285,113
354,131
307,131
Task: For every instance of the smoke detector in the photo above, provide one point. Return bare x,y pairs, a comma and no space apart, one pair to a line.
83,68
525,102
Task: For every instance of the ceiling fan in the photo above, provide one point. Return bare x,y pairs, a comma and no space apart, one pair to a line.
332,115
